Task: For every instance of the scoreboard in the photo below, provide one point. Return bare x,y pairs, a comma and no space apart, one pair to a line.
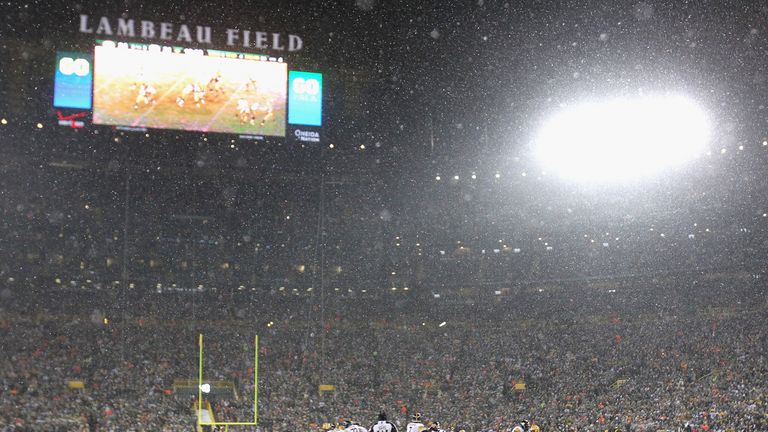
305,92
136,86
73,80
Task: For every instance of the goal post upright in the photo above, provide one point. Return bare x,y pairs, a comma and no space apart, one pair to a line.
256,379
200,381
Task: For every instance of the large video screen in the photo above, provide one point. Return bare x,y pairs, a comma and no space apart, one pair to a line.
189,91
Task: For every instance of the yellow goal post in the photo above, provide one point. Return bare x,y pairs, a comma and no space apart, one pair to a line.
255,389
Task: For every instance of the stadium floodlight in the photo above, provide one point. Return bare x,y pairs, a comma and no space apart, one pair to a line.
623,139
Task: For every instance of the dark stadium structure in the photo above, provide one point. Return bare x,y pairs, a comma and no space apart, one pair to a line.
416,258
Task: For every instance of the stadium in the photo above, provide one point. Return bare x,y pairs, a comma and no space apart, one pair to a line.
393,216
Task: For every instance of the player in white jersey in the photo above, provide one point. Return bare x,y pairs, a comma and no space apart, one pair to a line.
415,425
352,426
383,425
243,110
145,96
264,110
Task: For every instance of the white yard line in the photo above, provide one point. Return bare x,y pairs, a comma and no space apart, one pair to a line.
218,113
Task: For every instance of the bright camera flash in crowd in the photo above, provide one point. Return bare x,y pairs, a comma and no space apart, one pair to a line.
622,139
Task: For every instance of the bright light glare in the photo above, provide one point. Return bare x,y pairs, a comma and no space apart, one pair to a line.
205,388
622,139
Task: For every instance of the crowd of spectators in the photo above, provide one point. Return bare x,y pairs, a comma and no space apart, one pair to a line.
652,357
607,321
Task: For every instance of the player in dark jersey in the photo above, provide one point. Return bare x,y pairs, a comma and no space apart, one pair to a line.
521,427
434,426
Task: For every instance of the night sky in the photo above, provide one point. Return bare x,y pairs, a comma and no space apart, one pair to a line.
472,65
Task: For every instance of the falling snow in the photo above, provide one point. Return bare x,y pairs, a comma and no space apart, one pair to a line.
489,213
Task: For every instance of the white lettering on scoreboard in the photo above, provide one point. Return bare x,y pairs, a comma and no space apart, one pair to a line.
306,86
190,34
307,136
69,66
